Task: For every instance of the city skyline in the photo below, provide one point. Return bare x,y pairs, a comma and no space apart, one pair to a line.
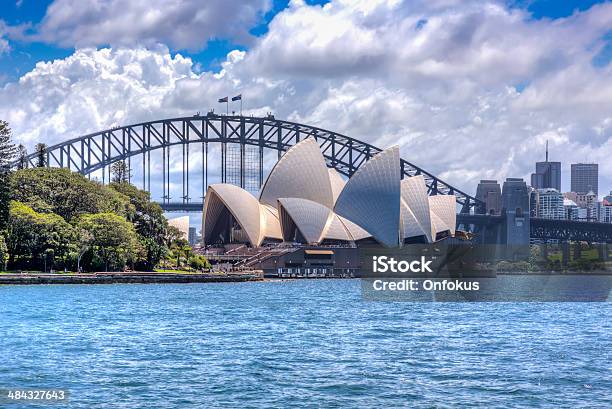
548,200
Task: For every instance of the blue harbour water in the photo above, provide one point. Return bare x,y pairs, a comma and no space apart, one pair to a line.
311,343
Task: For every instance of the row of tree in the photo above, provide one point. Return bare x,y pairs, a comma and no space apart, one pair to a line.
56,219
41,156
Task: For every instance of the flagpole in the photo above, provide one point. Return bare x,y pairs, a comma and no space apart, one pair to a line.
241,105
227,107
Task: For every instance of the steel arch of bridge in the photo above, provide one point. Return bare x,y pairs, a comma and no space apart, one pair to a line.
97,151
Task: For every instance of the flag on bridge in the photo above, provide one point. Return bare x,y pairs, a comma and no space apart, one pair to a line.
238,98
224,99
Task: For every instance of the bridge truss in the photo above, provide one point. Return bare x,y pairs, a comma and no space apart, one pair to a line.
571,230
98,151
541,229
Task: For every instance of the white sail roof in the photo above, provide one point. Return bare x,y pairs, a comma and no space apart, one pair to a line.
316,222
437,225
337,183
241,204
414,195
270,224
371,197
302,193
410,226
300,173
309,217
445,208
182,224
336,230
356,232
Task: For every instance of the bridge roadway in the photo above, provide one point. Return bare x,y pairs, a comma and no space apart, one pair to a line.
547,229
540,229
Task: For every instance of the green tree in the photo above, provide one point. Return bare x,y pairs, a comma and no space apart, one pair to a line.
180,248
5,198
7,148
84,243
184,250
41,155
66,193
22,161
7,153
149,222
3,253
173,234
199,262
177,245
114,242
120,172
32,235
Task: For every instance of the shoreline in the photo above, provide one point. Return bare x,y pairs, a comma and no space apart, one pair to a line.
186,278
126,278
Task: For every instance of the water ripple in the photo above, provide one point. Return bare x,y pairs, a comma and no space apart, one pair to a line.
299,344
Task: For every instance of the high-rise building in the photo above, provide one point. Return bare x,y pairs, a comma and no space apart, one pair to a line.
489,192
547,174
550,204
571,209
193,236
585,178
533,202
605,213
586,202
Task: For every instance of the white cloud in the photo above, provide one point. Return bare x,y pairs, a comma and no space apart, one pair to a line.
4,46
185,24
88,90
445,81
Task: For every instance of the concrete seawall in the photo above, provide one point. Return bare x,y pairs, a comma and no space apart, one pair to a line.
131,278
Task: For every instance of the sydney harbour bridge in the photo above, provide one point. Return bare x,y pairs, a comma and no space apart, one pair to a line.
252,137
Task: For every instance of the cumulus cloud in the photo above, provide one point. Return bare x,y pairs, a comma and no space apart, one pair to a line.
185,24
90,89
469,90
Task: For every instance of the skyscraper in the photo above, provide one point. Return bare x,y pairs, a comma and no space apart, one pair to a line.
550,204
585,178
547,174
193,236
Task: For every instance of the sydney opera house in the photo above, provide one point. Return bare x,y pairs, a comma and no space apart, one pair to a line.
304,201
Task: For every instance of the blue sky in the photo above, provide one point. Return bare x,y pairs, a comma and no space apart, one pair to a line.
25,54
